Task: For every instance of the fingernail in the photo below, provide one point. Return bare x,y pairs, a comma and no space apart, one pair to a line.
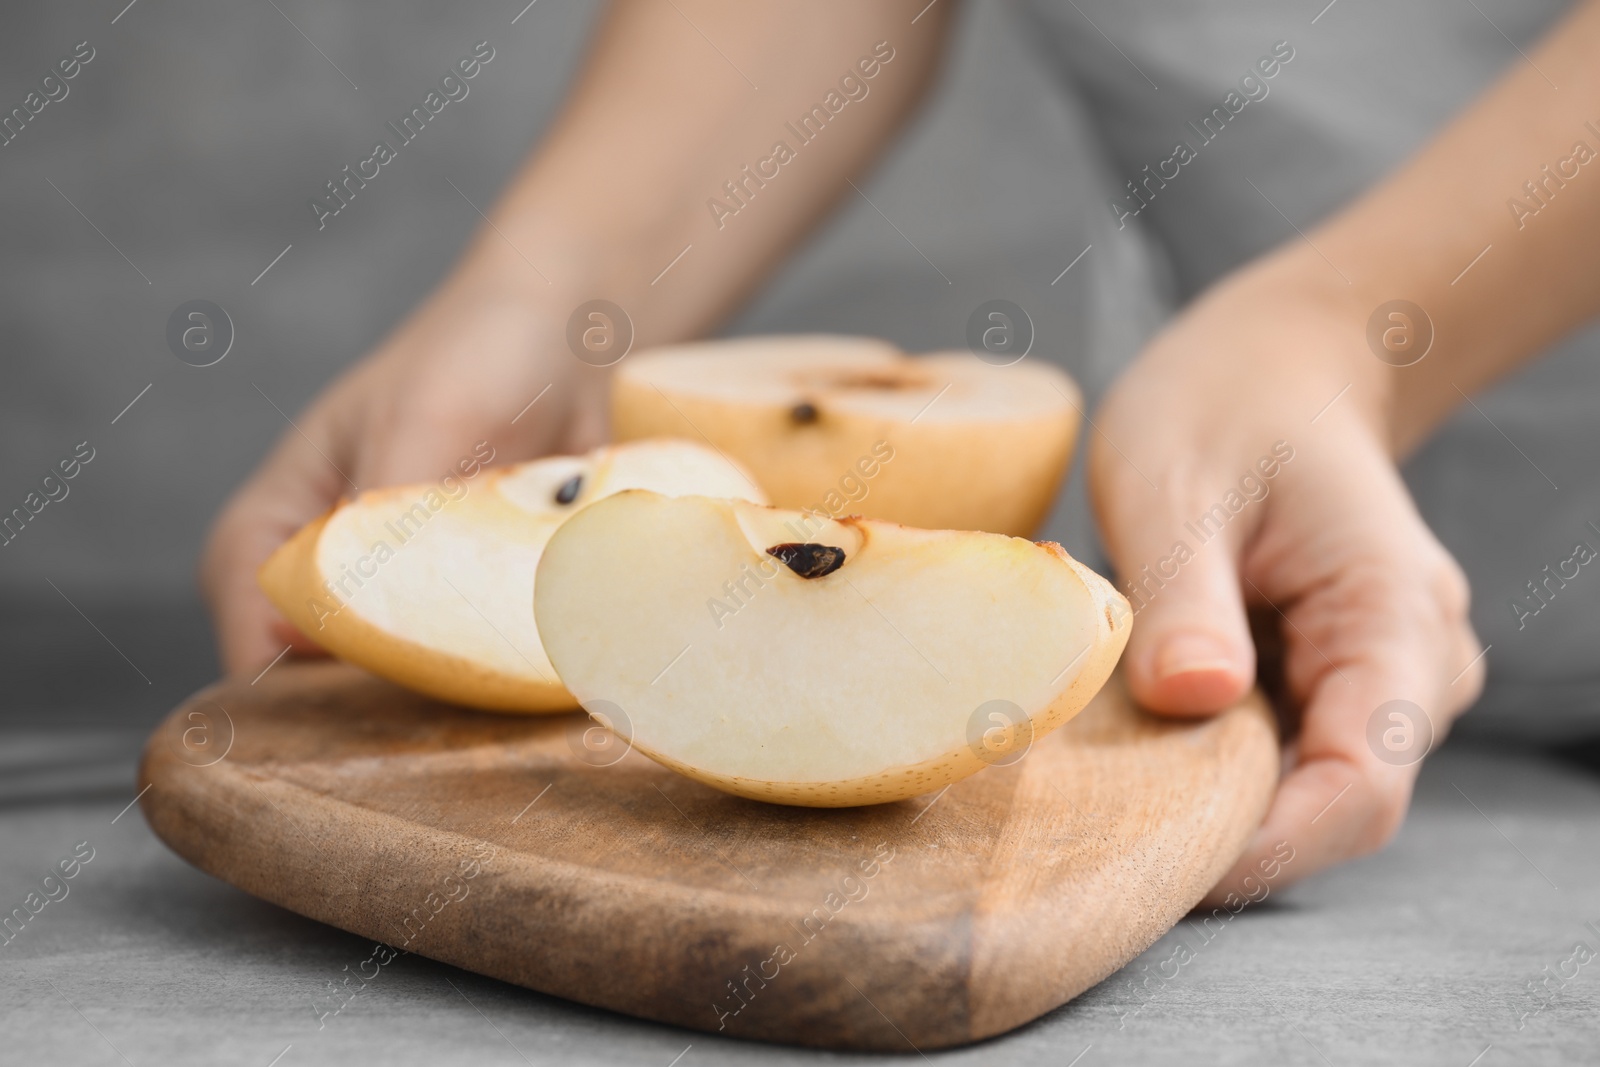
1192,654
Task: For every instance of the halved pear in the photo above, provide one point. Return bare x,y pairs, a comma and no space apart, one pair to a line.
431,585
853,426
789,658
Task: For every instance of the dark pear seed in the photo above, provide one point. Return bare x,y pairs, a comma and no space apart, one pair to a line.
569,489
808,560
804,413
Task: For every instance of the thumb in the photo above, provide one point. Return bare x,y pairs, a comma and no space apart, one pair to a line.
1190,652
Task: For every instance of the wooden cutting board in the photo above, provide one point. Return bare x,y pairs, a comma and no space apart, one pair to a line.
486,841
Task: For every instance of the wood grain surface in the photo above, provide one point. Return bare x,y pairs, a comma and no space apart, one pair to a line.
499,844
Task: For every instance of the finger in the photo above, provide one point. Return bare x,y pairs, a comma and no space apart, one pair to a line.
242,615
1326,811
1190,652
296,483
294,640
1348,792
1379,651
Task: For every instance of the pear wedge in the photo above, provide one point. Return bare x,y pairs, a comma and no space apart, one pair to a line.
786,657
432,586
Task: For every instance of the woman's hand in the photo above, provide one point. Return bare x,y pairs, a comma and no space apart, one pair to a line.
1245,460
598,223
461,370
1370,607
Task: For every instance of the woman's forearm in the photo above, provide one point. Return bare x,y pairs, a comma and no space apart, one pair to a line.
720,128
1514,180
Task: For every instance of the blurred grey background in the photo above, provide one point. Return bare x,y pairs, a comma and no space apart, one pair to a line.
179,165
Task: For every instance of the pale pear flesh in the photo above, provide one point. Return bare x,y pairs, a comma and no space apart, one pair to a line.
433,587
924,657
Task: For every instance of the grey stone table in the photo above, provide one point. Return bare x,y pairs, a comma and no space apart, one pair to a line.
1456,946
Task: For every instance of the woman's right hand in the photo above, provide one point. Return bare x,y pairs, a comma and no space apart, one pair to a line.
461,370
